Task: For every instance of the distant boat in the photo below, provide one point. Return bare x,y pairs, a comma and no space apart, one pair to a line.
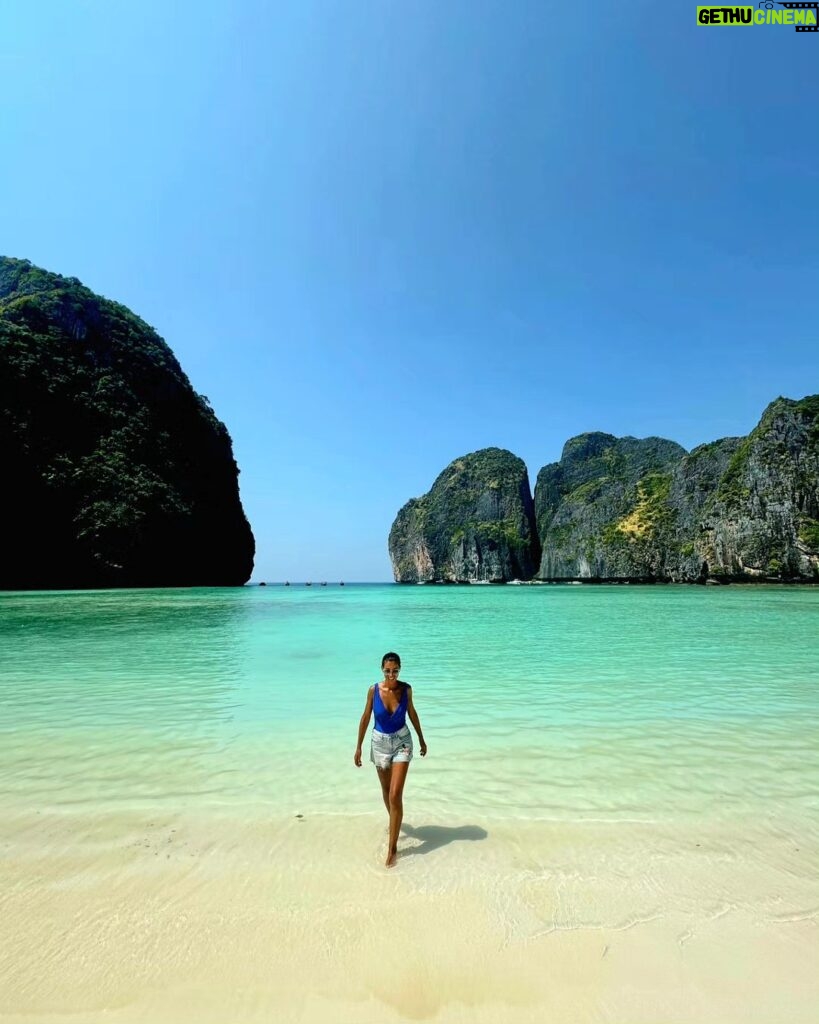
262,584
513,583
341,584
308,584
479,583
287,583
324,584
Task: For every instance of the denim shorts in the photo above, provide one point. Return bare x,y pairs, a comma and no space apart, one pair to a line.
388,748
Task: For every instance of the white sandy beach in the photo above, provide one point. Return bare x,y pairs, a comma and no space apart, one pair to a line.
134,918
624,834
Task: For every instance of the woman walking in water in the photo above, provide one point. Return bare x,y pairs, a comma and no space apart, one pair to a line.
391,747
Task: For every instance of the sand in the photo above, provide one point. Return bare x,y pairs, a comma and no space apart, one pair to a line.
236,917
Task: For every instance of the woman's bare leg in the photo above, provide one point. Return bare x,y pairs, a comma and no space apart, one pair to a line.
384,775
399,777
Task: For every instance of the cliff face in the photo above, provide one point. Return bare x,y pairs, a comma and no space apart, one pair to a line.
476,523
623,508
115,472
598,480
739,508
763,517
694,482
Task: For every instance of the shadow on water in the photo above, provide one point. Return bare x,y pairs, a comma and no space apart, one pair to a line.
433,837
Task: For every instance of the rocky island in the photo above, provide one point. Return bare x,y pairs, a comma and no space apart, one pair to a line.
476,523
116,473
627,509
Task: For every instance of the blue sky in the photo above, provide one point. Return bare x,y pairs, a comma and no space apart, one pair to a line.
381,235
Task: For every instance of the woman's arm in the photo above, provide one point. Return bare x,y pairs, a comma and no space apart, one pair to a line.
413,717
362,726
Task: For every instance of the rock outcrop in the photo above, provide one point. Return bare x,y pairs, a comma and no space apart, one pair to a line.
475,524
736,509
115,472
624,508
763,518
599,481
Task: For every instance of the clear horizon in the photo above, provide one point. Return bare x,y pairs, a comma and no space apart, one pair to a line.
380,238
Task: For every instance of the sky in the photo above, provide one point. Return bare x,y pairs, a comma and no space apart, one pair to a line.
381,235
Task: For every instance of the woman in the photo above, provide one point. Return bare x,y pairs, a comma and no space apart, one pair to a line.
391,747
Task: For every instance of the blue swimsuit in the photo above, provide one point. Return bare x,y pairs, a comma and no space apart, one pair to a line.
384,721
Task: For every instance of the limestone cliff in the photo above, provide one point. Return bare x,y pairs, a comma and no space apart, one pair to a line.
628,509
763,518
115,472
599,481
735,509
476,523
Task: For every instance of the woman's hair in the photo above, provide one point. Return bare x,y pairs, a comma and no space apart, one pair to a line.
390,656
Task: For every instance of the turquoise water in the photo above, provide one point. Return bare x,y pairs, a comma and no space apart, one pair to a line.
551,702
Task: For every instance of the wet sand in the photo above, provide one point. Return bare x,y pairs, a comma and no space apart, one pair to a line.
132,917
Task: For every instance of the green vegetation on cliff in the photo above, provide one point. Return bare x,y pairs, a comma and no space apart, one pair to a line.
476,522
809,533
119,473
602,509
740,508
731,488
651,512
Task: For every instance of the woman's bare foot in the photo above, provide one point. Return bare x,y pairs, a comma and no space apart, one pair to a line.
392,857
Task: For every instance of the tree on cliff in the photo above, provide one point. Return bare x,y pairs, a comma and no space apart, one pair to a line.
116,473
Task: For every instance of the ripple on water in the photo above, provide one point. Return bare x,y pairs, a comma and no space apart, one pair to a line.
573,703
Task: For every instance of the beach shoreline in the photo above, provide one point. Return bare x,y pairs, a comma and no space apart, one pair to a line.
137,917
615,822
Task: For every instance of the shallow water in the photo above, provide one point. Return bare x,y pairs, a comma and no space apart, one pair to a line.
551,702
616,820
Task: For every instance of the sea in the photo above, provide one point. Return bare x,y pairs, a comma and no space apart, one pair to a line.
616,819
561,703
